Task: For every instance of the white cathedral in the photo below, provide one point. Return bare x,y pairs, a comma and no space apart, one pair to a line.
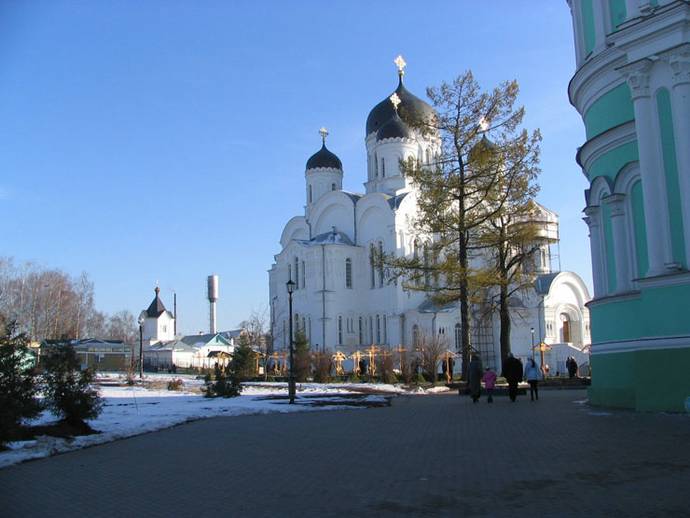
342,302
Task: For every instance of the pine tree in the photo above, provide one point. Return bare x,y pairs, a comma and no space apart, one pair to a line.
68,391
18,385
458,194
242,366
302,357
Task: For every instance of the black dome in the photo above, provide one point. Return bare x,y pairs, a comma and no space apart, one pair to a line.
324,158
410,106
394,128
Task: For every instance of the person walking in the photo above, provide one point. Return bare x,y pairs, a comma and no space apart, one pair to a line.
489,380
572,367
532,375
475,377
512,372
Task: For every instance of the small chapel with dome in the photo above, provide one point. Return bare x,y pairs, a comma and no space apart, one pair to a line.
342,301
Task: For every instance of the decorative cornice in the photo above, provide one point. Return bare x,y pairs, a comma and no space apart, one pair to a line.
616,203
643,344
637,75
592,214
679,61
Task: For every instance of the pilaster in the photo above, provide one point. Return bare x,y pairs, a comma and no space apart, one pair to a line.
621,238
679,62
593,220
651,171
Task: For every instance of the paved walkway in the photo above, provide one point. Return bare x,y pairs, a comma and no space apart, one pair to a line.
423,456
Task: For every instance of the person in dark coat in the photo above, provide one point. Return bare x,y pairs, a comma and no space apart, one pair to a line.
474,375
512,372
572,367
451,364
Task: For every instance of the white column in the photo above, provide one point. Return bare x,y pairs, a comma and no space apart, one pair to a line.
632,9
600,22
680,103
593,220
651,170
616,202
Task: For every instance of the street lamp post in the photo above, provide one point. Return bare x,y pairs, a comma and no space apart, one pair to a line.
141,347
531,329
291,379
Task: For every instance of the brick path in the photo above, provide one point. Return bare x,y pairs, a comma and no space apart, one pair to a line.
423,456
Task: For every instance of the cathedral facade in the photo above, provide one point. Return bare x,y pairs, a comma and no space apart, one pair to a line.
342,301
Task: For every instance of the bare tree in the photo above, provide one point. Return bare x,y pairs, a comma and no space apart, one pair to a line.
431,349
256,328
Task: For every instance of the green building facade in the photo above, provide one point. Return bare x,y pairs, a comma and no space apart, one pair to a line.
632,89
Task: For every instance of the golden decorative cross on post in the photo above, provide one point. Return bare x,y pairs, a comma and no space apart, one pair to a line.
400,63
324,133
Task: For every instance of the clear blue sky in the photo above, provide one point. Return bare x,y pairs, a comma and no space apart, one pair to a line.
166,140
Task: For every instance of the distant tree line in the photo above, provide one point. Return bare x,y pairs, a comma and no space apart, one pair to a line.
47,303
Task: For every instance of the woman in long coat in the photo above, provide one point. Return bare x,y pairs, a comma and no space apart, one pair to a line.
475,377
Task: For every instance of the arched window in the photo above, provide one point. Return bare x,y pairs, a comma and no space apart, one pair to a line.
296,273
385,330
348,273
376,165
383,167
332,187
361,330
371,329
310,194
340,330
304,275
372,266
378,329
296,324
458,337
380,264
428,156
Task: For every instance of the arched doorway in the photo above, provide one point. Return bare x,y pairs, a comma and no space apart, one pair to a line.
565,328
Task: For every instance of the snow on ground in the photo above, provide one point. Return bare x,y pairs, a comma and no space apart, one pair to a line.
138,409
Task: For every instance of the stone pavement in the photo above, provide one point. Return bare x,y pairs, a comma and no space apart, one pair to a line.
423,456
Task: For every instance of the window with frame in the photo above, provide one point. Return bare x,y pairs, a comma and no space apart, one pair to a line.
340,330
378,329
348,273
380,264
385,330
372,266
304,275
361,330
296,273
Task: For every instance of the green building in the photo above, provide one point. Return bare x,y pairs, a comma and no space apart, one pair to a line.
632,88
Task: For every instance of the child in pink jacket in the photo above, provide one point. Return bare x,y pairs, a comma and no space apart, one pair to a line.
489,380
